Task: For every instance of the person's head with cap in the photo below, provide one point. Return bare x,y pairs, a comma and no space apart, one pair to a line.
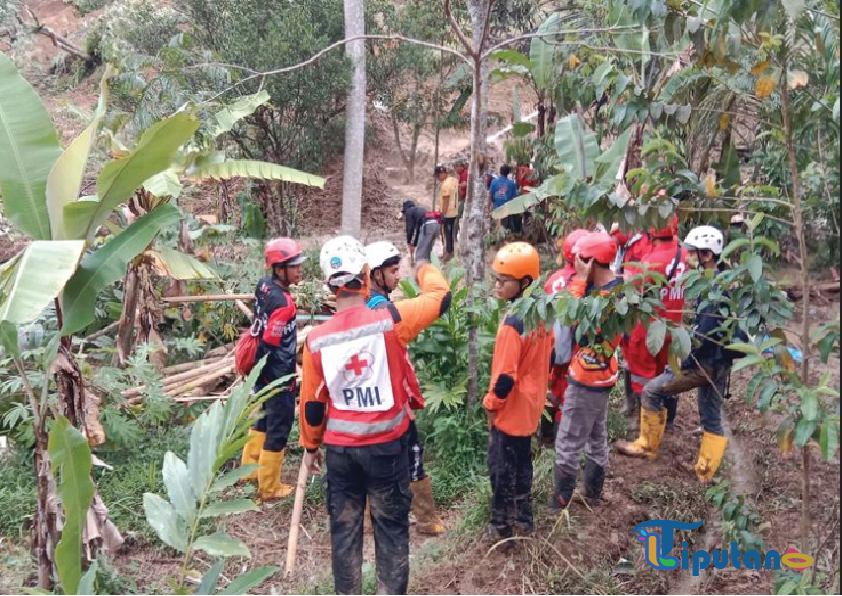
284,258
406,206
440,172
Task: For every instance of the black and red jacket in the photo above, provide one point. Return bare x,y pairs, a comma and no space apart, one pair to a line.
275,317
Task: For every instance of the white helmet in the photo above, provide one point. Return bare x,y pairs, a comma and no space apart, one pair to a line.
705,238
342,260
378,253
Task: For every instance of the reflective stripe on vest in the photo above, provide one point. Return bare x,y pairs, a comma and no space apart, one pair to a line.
358,427
342,336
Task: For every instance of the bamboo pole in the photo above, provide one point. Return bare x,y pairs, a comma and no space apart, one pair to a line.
292,545
208,298
198,382
179,368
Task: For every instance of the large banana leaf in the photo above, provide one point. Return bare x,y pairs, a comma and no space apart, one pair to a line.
77,216
37,277
181,266
108,264
227,117
65,179
542,54
576,145
164,184
243,168
154,153
608,164
28,149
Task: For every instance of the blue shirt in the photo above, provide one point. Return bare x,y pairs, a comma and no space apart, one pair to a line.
502,191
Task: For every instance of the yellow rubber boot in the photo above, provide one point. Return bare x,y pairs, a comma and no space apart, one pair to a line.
652,425
711,452
251,452
424,508
269,485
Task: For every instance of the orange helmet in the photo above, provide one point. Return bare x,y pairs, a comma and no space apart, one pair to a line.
598,246
570,243
519,260
668,231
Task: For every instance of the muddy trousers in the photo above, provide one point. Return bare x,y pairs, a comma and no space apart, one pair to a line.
584,425
378,474
667,386
426,238
277,419
510,472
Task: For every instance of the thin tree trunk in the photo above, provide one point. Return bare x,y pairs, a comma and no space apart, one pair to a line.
798,220
413,153
355,121
127,318
472,251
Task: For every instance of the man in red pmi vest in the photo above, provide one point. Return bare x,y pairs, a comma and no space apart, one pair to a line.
667,257
357,387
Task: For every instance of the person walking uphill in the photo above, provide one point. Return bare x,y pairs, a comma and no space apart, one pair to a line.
357,385
274,324
708,368
593,372
384,261
515,398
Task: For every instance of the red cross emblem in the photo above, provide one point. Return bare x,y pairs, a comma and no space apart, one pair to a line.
358,367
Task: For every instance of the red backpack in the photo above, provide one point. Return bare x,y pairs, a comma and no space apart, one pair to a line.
245,352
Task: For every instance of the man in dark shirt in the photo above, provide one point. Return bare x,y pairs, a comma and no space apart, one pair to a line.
275,325
422,227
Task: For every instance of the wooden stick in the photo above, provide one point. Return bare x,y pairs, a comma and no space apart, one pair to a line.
292,545
196,383
174,380
179,368
208,298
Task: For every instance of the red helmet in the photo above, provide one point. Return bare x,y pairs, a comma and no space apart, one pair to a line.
570,243
598,246
668,231
283,251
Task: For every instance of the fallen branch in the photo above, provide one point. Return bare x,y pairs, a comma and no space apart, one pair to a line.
183,377
795,291
192,384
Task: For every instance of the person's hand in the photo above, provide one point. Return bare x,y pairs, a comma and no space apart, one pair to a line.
492,418
615,227
313,462
583,269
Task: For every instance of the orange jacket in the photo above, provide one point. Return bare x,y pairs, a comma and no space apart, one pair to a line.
519,374
409,318
594,366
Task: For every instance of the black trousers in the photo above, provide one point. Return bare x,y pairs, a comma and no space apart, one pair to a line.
510,471
278,416
379,474
514,224
449,233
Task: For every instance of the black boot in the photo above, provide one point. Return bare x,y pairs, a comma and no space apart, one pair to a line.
594,481
564,487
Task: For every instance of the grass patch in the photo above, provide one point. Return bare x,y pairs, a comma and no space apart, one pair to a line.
17,494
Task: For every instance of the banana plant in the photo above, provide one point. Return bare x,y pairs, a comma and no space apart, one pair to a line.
195,487
40,186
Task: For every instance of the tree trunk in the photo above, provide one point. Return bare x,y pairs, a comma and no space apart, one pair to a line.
472,251
413,153
806,342
127,318
355,121
542,118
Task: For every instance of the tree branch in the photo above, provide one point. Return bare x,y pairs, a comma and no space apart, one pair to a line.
486,27
720,210
253,74
458,31
525,36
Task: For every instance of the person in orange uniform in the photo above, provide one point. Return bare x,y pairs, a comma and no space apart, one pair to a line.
594,370
563,339
667,257
357,386
515,399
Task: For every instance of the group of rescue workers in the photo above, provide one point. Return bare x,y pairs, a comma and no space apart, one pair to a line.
359,391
